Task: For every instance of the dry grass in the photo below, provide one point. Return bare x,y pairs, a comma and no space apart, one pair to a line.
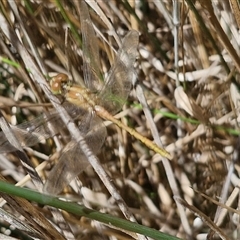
192,104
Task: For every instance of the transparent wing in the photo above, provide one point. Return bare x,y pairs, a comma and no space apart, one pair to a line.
32,132
73,161
91,63
119,81
45,126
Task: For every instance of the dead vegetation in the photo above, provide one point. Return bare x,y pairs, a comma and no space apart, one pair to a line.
185,97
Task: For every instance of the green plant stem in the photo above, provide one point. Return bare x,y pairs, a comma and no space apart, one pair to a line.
81,210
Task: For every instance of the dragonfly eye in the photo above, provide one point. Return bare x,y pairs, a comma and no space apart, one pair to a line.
59,83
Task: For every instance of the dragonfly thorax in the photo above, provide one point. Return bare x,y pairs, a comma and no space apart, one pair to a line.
76,95
81,97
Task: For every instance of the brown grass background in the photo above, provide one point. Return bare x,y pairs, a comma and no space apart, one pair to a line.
188,69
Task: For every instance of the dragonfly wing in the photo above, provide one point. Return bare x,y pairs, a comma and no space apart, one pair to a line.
118,83
45,126
128,52
91,62
32,132
73,161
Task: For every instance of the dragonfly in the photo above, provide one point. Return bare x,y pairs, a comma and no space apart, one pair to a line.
87,105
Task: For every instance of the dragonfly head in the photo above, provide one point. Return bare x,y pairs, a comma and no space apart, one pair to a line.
59,83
